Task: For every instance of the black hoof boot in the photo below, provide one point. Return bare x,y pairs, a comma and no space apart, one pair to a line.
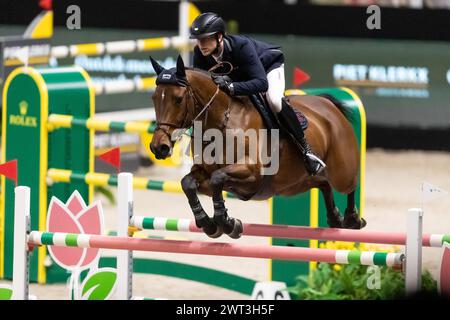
218,233
238,229
232,227
334,220
352,220
209,227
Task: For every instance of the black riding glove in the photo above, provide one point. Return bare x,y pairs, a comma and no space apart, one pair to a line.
224,82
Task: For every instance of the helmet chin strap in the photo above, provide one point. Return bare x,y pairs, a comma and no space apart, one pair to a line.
216,50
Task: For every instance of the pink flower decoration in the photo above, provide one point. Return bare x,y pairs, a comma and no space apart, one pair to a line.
74,217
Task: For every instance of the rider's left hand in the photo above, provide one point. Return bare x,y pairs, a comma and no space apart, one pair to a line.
224,82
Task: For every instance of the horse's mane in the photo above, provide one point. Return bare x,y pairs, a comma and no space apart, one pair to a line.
241,99
201,72
205,72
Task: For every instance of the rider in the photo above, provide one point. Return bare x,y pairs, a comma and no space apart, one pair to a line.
258,67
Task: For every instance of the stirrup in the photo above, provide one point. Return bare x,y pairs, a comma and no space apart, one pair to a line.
319,165
313,157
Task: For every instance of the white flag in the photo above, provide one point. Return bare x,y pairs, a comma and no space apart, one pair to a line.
430,192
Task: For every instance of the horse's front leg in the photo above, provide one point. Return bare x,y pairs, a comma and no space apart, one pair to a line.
190,184
230,174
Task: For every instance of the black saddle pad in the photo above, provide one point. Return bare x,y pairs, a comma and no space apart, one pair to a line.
260,103
269,118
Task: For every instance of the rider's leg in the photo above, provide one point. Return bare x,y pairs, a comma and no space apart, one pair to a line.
288,118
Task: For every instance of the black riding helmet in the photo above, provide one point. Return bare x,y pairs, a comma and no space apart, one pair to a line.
207,24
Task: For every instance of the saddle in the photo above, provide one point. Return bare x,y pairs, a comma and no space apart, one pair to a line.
268,116
271,122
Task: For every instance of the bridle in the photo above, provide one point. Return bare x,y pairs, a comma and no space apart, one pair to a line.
185,124
191,96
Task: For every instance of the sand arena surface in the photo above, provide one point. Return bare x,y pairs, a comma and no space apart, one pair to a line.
393,181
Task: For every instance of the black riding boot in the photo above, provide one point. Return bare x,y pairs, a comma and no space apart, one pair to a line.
289,120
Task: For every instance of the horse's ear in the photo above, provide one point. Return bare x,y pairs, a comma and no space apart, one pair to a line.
156,66
180,68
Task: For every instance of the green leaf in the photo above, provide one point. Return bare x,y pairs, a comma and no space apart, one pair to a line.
99,285
5,293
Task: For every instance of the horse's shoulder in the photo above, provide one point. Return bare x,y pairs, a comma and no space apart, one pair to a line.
302,98
243,101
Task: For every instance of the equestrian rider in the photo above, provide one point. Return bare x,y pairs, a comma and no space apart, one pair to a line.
258,67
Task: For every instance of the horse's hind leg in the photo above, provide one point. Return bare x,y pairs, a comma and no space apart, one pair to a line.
351,217
190,184
334,219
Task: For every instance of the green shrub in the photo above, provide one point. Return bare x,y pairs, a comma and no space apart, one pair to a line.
351,282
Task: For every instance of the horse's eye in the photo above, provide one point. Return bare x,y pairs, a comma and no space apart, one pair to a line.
178,100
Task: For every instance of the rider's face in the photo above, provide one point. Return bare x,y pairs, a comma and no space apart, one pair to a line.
208,44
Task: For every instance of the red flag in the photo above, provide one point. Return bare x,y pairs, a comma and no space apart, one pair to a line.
112,157
300,77
9,170
45,4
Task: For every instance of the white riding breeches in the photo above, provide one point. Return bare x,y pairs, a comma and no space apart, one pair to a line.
275,92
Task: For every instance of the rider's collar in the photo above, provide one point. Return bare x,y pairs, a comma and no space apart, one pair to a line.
227,45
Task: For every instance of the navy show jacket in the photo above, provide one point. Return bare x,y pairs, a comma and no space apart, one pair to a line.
252,60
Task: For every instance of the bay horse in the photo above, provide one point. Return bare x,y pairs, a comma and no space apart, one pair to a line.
183,95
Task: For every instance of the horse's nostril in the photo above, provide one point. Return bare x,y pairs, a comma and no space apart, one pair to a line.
164,150
161,151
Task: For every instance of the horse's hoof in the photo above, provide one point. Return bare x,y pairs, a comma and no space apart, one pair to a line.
354,222
238,228
335,223
363,223
210,228
215,234
334,219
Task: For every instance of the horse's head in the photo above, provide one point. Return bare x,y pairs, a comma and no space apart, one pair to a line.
172,106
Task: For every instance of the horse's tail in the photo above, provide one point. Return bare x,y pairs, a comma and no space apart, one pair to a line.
340,105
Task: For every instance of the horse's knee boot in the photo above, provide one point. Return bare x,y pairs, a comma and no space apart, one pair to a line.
202,220
221,217
189,186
